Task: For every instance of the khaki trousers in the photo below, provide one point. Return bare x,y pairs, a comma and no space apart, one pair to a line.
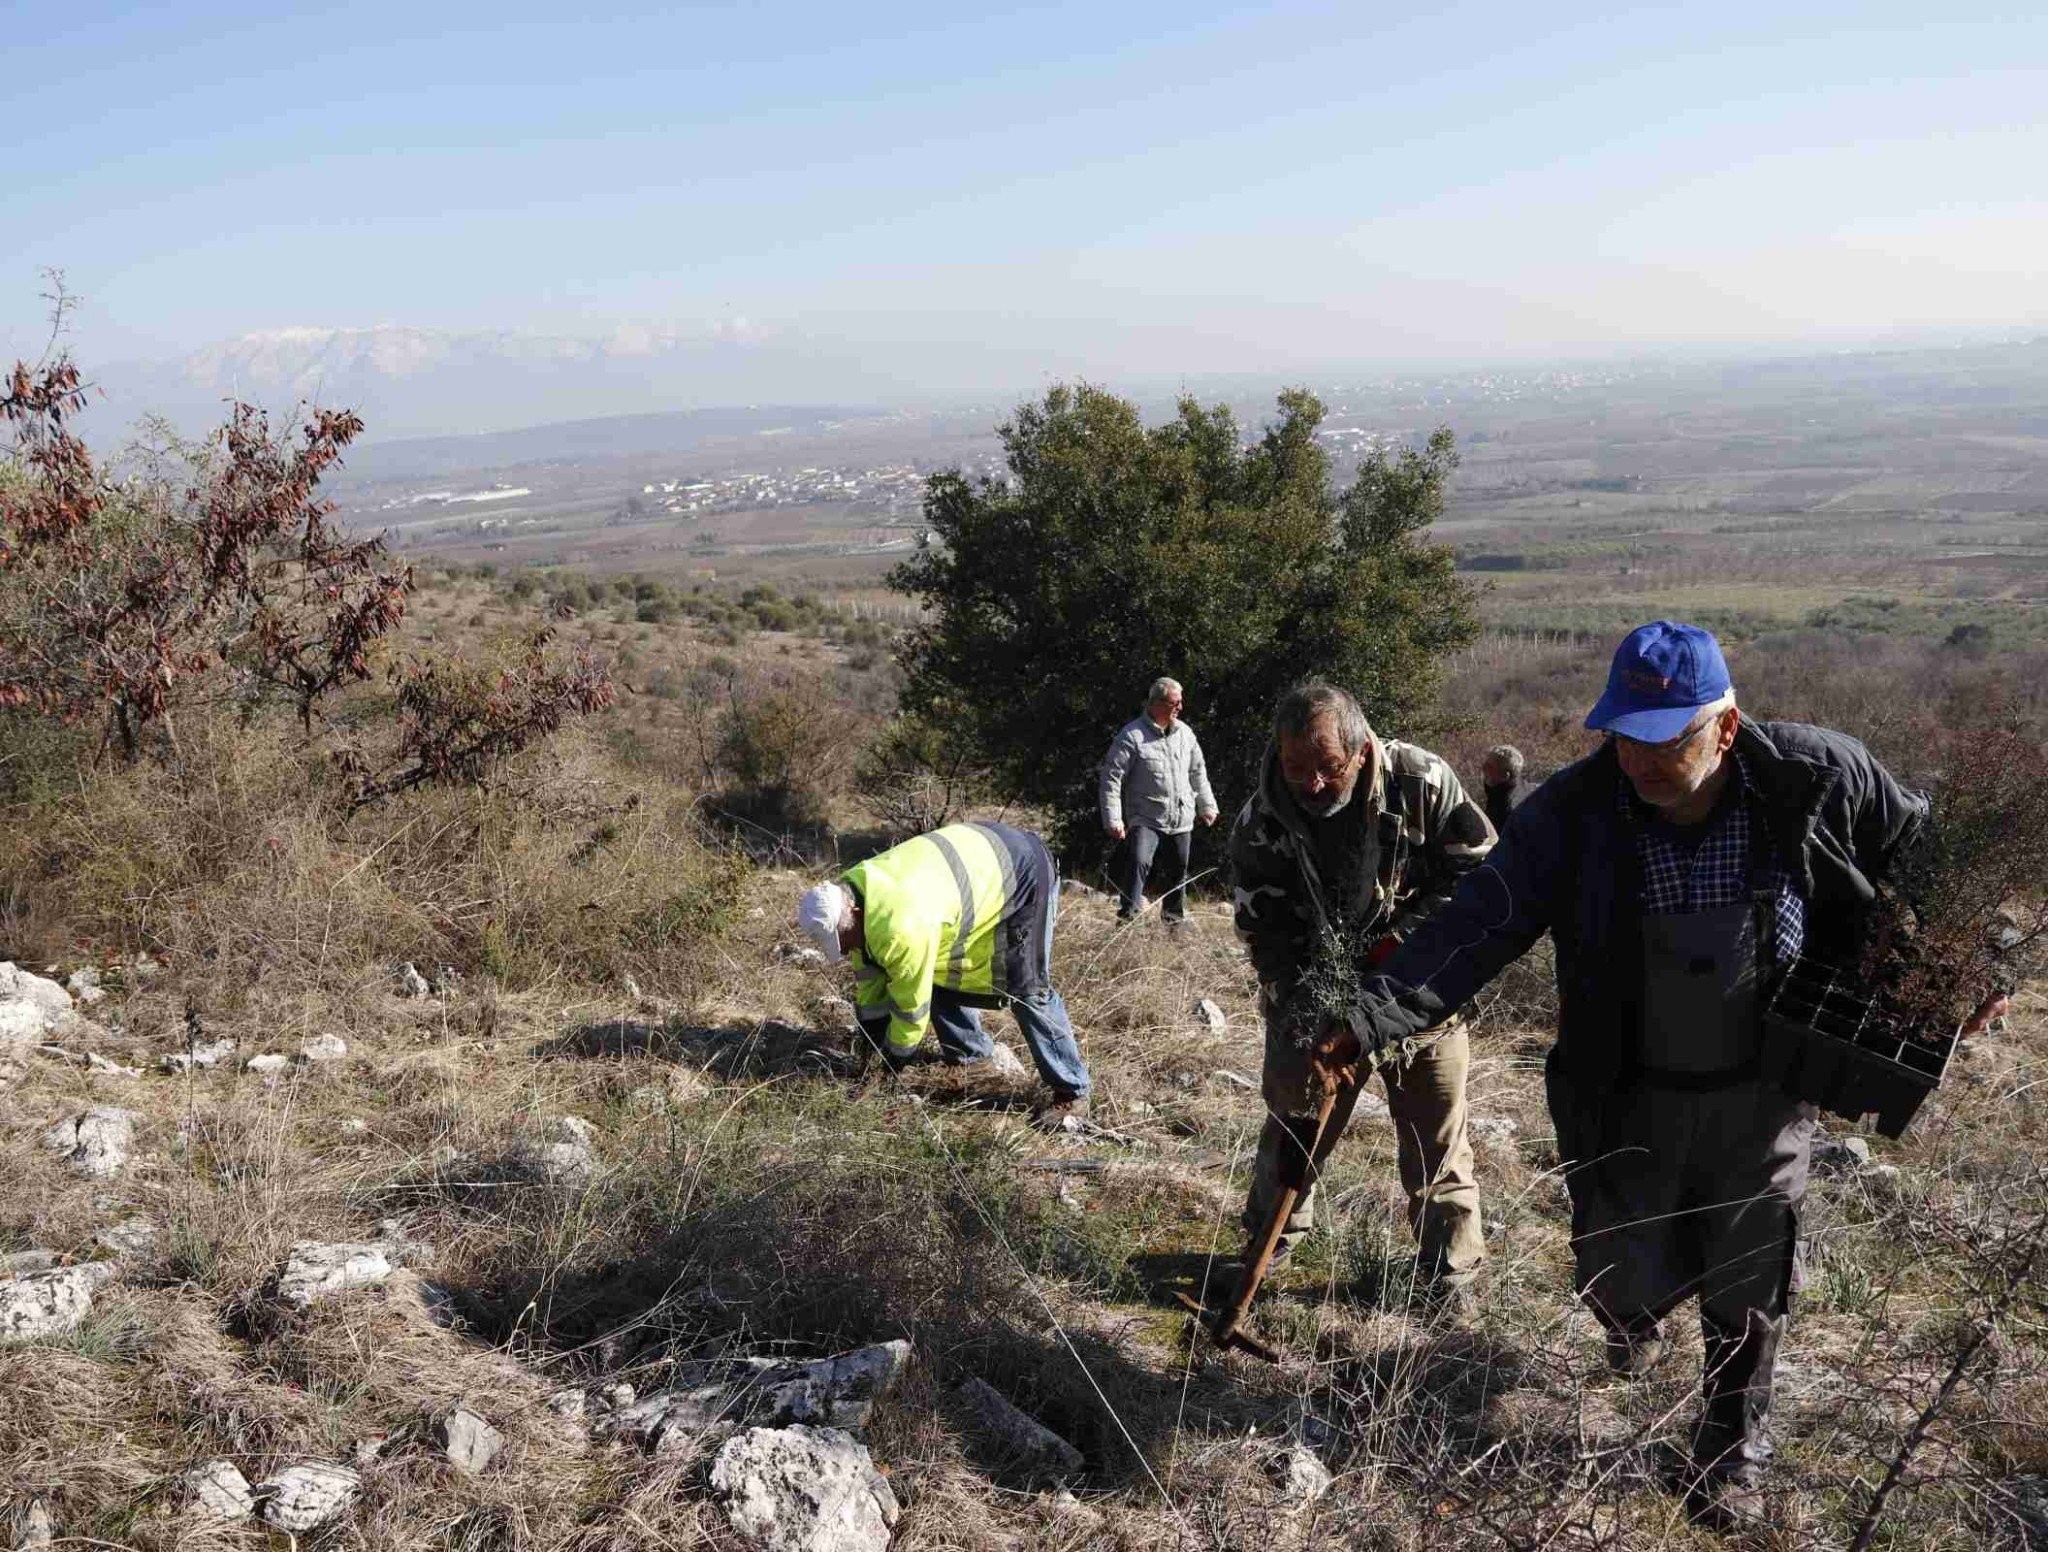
1426,1100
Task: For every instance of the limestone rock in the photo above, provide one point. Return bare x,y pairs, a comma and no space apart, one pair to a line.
84,986
569,1403
1212,1017
791,954
1026,1440
305,1497
206,1053
220,1489
268,1062
836,1392
33,1526
565,1154
1300,1476
411,983
322,1048
469,1442
352,1126
1494,1129
95,1144
31,1007
1840,1155
17,1262
315,1271
106,1066
44,1304
1006,1063
803,1489
130,1237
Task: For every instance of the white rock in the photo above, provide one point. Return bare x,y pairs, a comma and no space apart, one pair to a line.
323,1048
302,1498
207,1053
618,1396
220,1489
268,1062
1076,1516
1301,1477
108,1067
84,985
44,1304
565,1155
1212,1016
836,1392
1840,1155
31,1007
1495,1129
315,1271
95,1144
33,1526
352,1126
18,1262
1023,1437
803,1490
411,983
130,1237
571,1403
791,954
469,1442
1006,1063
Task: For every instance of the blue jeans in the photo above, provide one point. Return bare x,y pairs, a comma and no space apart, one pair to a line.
1041,1016
1042,1021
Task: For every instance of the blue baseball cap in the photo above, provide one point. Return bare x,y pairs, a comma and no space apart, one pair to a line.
1662,674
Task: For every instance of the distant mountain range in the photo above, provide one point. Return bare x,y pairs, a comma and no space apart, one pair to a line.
412,382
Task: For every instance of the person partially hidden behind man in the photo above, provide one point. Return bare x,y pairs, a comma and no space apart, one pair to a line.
1153,787
1352,840
1679,869
946,924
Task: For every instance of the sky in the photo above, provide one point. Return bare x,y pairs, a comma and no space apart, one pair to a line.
1125,189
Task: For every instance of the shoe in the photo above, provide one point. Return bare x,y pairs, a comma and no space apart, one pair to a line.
1726,1501
1454,1297
1634,1356
1053,1115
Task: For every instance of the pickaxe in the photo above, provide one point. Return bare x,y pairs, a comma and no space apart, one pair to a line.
1334,1061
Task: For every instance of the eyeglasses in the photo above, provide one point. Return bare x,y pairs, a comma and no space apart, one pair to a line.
1669,749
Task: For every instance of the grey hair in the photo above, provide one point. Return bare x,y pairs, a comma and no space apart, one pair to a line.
1507,757
1161,688
1309,702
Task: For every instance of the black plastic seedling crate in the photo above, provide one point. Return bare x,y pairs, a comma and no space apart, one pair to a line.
1827,1042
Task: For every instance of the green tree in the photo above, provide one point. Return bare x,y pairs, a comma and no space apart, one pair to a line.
1114,552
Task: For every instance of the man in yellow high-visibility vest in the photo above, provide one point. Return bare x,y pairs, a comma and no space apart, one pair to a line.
946,924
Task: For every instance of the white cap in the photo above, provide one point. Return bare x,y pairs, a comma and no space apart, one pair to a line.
819,913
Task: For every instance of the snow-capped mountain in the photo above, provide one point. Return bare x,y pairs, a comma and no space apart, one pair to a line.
407,381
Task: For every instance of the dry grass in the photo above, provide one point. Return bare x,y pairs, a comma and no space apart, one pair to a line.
755,1197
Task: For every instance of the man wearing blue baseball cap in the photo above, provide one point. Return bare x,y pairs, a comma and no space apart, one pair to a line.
1677,868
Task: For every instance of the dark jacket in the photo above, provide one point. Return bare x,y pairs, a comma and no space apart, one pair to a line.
1833,817
1428,835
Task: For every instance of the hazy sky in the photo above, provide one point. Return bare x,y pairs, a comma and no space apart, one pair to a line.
1143,187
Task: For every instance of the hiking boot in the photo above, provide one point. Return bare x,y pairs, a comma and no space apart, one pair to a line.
1634,1354
1726,1501
1052,1116
1456,1298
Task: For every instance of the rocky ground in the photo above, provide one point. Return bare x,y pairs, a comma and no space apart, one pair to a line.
433,1266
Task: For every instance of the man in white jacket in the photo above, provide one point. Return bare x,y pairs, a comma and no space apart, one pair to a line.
1154,787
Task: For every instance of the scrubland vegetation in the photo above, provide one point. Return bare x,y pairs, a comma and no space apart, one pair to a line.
588,846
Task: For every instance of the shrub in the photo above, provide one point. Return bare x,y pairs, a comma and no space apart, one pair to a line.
1114,553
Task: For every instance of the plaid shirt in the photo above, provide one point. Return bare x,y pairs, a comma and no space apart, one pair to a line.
1717,873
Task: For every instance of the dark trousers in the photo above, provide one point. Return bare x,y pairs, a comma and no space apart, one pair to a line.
1170,852
1698,1194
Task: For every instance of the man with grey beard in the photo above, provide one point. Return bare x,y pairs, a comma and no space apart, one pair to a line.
1349,842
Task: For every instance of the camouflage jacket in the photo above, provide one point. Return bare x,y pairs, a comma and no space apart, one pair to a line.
1429,834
